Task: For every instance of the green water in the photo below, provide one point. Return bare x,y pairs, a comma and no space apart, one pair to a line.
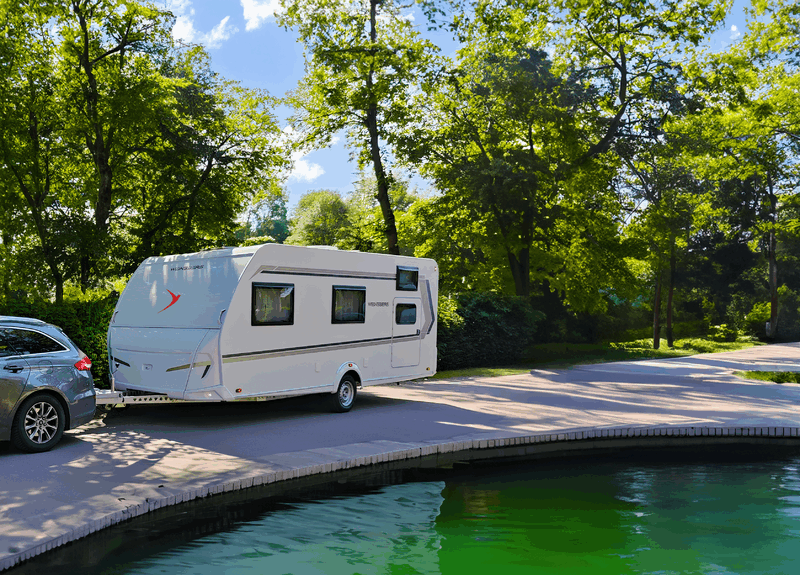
588,518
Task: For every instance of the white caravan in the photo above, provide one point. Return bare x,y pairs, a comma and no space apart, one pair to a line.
273,321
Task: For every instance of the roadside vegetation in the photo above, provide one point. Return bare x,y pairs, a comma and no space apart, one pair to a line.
773,376
565,355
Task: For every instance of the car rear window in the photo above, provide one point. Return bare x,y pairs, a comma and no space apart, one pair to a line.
27,341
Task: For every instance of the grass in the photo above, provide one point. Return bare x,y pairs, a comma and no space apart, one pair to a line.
561,355
773,376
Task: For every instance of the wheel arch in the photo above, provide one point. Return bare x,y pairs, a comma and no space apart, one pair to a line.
50,392
347,368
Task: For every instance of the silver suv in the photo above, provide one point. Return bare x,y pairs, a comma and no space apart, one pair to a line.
46,384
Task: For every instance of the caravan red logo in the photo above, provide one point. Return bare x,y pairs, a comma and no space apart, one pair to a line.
175,298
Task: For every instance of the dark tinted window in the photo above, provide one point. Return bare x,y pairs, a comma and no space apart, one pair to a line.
5,347
25,341
349,304
273,304
405,314
407,278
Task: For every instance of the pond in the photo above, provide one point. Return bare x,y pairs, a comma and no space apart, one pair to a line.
586,515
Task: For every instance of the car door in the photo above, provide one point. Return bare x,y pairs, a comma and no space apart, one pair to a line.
14,373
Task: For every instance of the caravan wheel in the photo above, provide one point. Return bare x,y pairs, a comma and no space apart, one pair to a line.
345,396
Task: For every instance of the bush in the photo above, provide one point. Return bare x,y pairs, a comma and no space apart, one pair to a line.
484,329
722,332
755,321
85,322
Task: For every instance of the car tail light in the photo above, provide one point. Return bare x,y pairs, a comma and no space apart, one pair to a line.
84,363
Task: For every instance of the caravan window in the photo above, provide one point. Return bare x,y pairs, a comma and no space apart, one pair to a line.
273,304
407,278
405,314
349,304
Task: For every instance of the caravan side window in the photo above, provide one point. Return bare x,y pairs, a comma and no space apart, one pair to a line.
349,304
273,304
407,278
405,314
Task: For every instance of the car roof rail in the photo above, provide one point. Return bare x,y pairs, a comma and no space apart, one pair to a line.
28,320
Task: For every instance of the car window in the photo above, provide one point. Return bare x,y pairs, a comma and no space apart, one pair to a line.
27,341
5,347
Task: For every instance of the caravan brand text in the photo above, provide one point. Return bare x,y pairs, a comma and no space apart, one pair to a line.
184,268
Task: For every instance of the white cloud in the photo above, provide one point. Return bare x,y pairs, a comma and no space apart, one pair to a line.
184,26
256,13
219,34
735,32
304,171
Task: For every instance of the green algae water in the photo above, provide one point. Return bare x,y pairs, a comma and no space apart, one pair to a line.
589,516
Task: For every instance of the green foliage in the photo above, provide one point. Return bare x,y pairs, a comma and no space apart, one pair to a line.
757,318
318,219
85,321
789,314
363,62
484,329
117,144
722,332
773,376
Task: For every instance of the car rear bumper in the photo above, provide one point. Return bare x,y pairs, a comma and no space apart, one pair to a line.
81,410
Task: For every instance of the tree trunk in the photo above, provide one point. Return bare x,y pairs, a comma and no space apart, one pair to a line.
772,329
657,312
5,282
671,289
99,142
374,146
520,264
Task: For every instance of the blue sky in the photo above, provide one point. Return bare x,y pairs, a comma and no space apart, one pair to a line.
247,45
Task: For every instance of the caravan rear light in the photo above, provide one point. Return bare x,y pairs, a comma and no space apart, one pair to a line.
84,363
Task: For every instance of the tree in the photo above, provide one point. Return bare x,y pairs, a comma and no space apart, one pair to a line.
33,152
111,85
362,61
318,219
215,150
116,145
502,136
752,125
607,58
365,231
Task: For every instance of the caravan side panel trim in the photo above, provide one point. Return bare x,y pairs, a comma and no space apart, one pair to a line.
325,273
268,353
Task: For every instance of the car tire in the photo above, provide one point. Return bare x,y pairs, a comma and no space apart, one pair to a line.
344,398
38,424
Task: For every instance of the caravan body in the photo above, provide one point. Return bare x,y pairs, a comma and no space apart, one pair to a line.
273,320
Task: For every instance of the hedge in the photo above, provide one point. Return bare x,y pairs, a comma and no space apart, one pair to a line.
85,322
484,329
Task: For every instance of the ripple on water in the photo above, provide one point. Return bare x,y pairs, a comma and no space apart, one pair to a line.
586,516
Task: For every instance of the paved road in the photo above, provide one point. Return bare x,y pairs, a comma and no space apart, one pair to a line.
160,452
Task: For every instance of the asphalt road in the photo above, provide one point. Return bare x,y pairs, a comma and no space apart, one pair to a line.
154,452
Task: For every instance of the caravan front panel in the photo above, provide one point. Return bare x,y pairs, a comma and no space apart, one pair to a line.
156,360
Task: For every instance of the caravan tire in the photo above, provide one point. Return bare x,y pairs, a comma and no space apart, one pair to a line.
345,396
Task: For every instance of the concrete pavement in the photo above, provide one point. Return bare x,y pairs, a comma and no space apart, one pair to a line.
133,461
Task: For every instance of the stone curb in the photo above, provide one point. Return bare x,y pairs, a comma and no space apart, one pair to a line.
609,434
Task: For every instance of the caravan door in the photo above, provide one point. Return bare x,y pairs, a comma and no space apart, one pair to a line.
406,321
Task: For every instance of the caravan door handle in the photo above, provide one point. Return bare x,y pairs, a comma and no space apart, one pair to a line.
14,368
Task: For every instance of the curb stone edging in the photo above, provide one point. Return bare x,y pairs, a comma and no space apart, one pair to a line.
609,435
